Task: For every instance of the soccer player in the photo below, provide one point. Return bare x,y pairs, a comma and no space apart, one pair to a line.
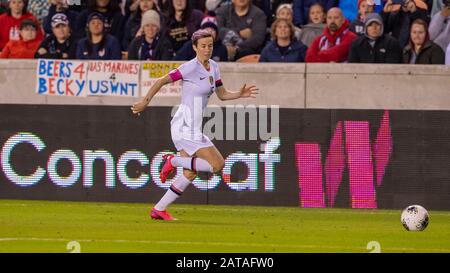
200,78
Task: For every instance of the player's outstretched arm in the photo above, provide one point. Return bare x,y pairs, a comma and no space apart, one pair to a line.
140,105
245,92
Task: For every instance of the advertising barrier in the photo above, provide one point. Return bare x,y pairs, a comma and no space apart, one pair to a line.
319,158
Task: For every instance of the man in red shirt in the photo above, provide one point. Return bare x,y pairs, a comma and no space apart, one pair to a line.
334,44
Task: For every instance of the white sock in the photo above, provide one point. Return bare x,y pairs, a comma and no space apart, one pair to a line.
192,163
176,189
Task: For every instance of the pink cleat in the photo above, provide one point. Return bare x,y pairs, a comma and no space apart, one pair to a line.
167,168
161,215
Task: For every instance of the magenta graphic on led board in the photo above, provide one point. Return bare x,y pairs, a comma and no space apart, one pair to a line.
357,156
334,165
309,169
359,160
382,148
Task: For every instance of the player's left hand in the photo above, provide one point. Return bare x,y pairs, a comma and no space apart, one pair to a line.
249,91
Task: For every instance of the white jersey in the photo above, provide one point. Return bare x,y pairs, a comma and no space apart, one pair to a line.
198,84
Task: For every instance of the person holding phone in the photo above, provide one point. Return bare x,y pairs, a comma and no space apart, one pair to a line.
440,26
397,18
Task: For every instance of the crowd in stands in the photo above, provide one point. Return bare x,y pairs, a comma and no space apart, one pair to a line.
354,31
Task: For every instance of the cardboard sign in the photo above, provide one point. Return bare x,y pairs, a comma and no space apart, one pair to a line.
61,78
113,78
152,71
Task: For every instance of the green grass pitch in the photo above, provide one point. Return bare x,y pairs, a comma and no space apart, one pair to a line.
48,226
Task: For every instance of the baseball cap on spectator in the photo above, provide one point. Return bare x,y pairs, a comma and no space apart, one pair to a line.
95,15
27,23
59,19
209,21
151,17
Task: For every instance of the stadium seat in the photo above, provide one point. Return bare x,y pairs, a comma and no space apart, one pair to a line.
254,58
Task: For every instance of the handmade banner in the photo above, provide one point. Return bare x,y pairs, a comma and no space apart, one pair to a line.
113,78
61,78
150,72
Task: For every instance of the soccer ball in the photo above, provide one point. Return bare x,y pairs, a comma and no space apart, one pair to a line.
415,218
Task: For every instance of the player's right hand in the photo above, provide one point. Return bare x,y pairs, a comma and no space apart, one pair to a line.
138,107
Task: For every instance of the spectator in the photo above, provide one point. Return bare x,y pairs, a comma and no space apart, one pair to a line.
421,50
78,8
265,6
152,44
199,5
242,28
364,7
10,22
301,9
182,22
39,9
98,45
110,10
219,54
283,47
285,11
3,6
59,6
334,44
131,7
436,7
375,46
440,27
447,55
134,22
277,3
315,26
213,5
26,46
349,8
397,20
163,7
60,44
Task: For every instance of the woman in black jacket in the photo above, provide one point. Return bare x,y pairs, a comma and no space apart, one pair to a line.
421,50
182,21
110,10
152,44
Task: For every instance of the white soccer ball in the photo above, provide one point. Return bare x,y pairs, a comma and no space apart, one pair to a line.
415,218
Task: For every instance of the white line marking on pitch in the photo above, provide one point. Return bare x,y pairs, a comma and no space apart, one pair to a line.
231,244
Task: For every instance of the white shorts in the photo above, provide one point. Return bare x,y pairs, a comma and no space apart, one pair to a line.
183,139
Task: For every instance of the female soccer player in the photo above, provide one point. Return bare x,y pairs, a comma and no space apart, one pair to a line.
200,78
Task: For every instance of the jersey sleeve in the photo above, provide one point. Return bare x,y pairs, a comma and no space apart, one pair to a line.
218,82
183,72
